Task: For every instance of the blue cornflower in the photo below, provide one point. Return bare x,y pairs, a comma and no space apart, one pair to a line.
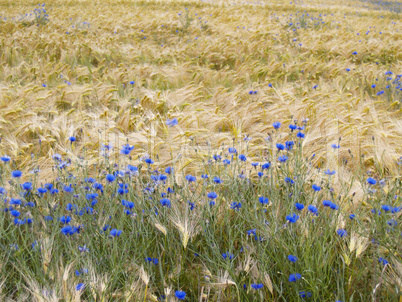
191,178
41,190
251,232
65,219
132,82
392,222
255,164
294,277
5,158
235,205
72,139
169,170
15,213
242,157
257,286
299,206
396,209
292,127
383,261
217,180
312,209
217,157
300,135
347,69
149,161
352,216
80,286
226,162
227,255
303,294
292,258
292,218
329,172
232,150
110,178
172,122
212,195
280,147
283,158
68,189
68,230
15,201
165,202
373,86
115,233
180,294
354,53
334,206
205,176
276,125
326,203
342,233
260,174
265,166
126,149
316,188
371,181
289,180
57,157
289,145
16,174
335,146
263,200
83,249
386,208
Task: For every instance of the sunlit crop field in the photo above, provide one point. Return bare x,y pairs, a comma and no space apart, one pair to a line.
201,150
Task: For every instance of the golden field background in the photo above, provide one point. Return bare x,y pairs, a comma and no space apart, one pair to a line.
199,70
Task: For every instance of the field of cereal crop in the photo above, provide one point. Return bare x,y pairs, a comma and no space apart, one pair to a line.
201,150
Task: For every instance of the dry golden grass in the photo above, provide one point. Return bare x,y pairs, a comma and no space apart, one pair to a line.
203,82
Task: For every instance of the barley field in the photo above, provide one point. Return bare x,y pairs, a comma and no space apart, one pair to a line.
204,150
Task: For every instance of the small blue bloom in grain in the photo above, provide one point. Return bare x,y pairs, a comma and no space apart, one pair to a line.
294,277
115,233
316,188
172,122
212,195
180,294
292,218
276,125
16,174
342,233
257,286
